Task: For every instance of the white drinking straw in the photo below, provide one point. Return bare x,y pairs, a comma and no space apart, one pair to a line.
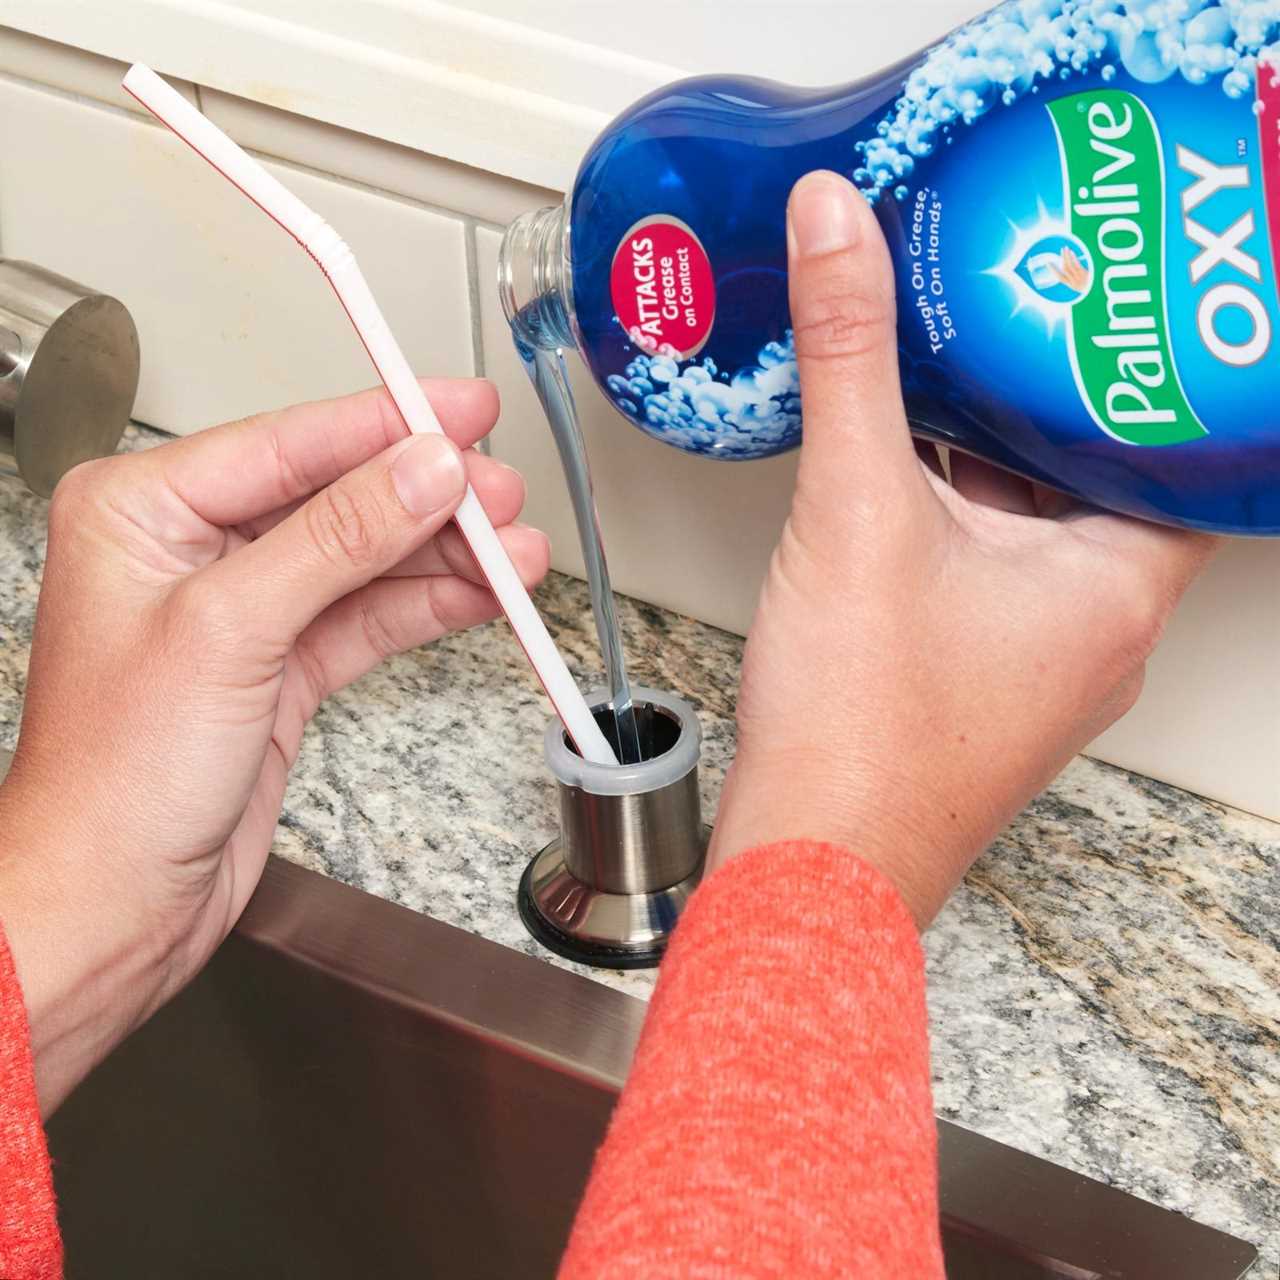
338,263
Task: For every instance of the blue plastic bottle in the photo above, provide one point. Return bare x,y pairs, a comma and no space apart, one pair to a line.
1082,198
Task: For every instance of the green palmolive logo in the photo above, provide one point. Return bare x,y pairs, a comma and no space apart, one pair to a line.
1113,168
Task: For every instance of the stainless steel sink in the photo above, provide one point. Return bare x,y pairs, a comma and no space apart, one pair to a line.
354,1090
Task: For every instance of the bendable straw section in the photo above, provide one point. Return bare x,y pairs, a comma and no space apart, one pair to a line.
338,263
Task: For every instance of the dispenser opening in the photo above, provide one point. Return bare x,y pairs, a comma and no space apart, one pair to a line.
658,728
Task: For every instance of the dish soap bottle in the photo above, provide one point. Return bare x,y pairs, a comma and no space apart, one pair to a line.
1082,198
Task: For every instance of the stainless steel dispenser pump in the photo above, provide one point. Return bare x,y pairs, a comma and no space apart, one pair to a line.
610,889
69,366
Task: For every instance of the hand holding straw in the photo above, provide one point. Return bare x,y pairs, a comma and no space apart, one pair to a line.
338,263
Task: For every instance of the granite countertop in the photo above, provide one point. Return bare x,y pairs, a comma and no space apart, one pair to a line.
1104,988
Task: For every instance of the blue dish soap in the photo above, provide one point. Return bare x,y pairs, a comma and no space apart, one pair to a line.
1082,198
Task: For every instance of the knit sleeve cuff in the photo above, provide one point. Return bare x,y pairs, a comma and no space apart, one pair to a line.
778,1117
30,1246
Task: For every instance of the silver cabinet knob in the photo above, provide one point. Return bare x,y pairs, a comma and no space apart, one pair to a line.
69,364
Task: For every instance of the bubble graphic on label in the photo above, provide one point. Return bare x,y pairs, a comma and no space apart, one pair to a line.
1057,268
752,413
1008,53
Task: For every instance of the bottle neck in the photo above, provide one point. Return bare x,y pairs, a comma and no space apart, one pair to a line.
535,280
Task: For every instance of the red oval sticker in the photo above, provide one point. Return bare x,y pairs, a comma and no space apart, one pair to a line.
664,293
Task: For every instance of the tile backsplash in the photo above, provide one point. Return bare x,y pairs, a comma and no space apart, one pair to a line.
234,318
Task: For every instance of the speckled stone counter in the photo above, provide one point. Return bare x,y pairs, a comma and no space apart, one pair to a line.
1104,990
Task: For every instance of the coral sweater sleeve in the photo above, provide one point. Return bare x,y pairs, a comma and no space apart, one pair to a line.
30,1247
778,1121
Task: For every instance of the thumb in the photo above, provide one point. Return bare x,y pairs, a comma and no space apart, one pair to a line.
343,537
857,447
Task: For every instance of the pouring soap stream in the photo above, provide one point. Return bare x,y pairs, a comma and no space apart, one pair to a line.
546,370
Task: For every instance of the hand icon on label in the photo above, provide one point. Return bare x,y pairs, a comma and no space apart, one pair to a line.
1073,273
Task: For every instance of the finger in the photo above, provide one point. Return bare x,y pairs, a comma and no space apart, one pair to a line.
245,469
1053,504
500,488
246,852
269,591
843,313
393,615
931,456
989,486
1168,559
448,554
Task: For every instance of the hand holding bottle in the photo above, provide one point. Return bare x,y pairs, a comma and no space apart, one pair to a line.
1084,189
926,656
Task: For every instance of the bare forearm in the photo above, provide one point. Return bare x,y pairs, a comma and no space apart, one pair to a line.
88,974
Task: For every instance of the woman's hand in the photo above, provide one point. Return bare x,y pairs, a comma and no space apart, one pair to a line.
199,602
925,657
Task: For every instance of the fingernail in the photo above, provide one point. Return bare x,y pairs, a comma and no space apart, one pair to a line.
822,217
428,474
532,532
